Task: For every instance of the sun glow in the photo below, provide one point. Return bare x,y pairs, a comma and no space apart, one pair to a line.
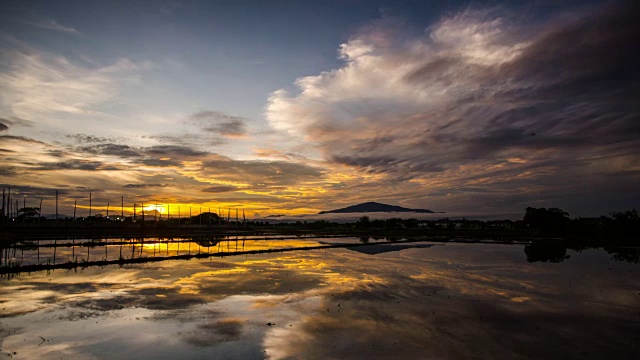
157,207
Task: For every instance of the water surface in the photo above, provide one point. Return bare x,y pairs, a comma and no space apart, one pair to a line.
405,300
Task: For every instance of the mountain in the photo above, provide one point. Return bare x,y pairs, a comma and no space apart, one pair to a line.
374,207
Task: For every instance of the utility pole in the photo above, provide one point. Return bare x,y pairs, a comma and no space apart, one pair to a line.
134,212
200,215
142,209
168,213
40,211
56,204
3,199
190,215
121,208
89,204
244,219
219,215
237,222
209,216
75,206
107,209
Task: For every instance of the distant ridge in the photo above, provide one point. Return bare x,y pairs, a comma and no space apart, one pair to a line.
375,207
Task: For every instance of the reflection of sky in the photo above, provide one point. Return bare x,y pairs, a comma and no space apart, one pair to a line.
84,250
444,301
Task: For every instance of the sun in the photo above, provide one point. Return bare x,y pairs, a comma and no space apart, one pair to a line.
157,207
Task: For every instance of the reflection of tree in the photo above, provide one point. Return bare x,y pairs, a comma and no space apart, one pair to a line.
546,253
205,241
624,254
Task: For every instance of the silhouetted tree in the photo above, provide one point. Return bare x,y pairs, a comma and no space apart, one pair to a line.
548,220
27,213
363,222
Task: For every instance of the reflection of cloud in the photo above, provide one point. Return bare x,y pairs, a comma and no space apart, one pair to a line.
213,333
450,301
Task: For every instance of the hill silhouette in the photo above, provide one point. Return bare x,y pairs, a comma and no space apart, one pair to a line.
374,207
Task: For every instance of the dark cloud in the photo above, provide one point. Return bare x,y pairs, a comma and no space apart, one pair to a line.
32,191
173,150
71,165
219,123
187,139
14,121
160,162
89,139
143,186
3,127
8,171
219,189
123,151
4,138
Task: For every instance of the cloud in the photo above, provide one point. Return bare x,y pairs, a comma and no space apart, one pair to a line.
53,25
46,86
72,165
123,151
187,139
5,124
143,186
219,189
19,139
483,100
89,139
175,150
219,123
259,174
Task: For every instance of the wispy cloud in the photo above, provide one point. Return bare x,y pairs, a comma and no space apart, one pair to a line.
41,85
55,26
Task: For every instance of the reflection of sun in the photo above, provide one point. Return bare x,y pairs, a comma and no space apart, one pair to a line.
159,208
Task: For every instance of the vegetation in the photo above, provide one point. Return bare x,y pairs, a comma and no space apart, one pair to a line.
619,228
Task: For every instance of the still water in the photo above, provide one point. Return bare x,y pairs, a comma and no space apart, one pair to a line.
416,300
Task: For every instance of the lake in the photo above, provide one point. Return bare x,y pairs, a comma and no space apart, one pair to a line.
414,300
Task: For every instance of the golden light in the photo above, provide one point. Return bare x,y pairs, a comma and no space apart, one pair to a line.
157,207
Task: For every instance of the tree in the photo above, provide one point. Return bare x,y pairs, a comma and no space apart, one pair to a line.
548,220
626,216
363,222
27,213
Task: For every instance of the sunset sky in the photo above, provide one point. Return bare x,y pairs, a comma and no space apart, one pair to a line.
293,107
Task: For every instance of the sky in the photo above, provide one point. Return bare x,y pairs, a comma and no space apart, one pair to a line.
293,107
